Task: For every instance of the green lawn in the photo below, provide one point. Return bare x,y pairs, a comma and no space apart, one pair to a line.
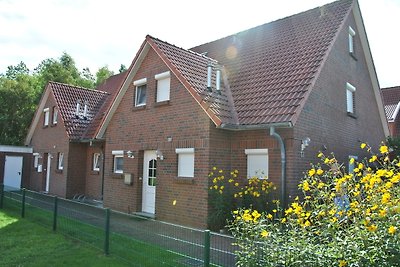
25,242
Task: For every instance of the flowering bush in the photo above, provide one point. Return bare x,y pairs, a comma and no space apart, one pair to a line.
343,219
228,192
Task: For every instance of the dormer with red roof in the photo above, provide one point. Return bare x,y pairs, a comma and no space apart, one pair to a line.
391,101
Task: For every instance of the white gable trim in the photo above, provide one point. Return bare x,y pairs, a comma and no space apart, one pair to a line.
134,68
37,115
370,66
16,149
396,111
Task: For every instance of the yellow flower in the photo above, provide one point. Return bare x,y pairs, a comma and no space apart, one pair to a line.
352,161
320,171
361,166
307,223
382,213
373,158
320,185
174,202
283,220
235,212
236,184
311,172
269,216
264,233
372,228
342,263
392,229
383,149
306,186
326,161
363,145
385,198
255,215
214,168
320,154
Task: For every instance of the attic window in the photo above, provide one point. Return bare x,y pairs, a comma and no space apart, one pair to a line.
85,110
46,114
352,33
350,98
55,115
163,86
140,92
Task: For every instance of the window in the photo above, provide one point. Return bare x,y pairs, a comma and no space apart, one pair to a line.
46,114
85,110
60,165
96,162
152,173
140,92
352,159
352,33
118,161
55,115
350,96
185,162
35,160
257,163
163,86
78,108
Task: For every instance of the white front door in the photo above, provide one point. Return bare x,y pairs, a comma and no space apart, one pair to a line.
13,172
47,188
149,182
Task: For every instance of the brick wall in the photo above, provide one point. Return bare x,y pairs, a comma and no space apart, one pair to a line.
50,139
141,129
93,183
76,181
324,118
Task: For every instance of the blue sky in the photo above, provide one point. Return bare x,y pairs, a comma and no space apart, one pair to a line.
98,33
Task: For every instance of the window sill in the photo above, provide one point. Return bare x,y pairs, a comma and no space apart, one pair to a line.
59,171
92,172
45,126
139,108
353,56
352,115
184,180
162,103
53,125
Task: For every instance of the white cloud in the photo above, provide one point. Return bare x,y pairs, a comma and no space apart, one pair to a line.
98,32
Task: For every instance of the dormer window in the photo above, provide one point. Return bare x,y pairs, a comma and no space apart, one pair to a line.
352,34
78,108
163,86
140,92
85,110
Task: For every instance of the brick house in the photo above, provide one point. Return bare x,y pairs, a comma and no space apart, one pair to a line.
391,101
265,99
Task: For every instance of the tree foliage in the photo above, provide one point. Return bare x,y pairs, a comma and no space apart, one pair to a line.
21,89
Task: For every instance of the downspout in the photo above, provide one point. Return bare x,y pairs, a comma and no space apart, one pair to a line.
283,165
103,163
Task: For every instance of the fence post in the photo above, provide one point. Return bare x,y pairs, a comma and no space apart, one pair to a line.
1,195
55,213
207,248
107,233
23,203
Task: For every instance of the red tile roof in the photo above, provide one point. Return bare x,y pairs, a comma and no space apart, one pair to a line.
111,86
391,99
67,96
270,68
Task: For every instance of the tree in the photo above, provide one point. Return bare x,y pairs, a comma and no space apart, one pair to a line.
122,68
103,74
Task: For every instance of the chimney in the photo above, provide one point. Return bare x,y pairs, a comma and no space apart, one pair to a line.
209,74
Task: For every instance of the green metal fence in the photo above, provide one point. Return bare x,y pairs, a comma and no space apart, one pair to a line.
134,239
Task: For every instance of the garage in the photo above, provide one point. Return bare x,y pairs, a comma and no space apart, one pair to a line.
15,164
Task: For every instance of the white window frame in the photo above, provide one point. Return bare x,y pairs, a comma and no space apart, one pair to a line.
185,162
96,162
163,86
257,154
352,34
46,113
350,98
78,108
117,154
138,85
60,160
55,115
352,165
35,160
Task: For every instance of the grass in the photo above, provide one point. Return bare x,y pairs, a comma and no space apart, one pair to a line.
31,242
25,243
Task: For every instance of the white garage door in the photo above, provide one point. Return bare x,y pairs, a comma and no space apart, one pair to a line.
12,172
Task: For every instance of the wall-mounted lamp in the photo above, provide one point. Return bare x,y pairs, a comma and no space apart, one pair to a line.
130,154
159,155
304,143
